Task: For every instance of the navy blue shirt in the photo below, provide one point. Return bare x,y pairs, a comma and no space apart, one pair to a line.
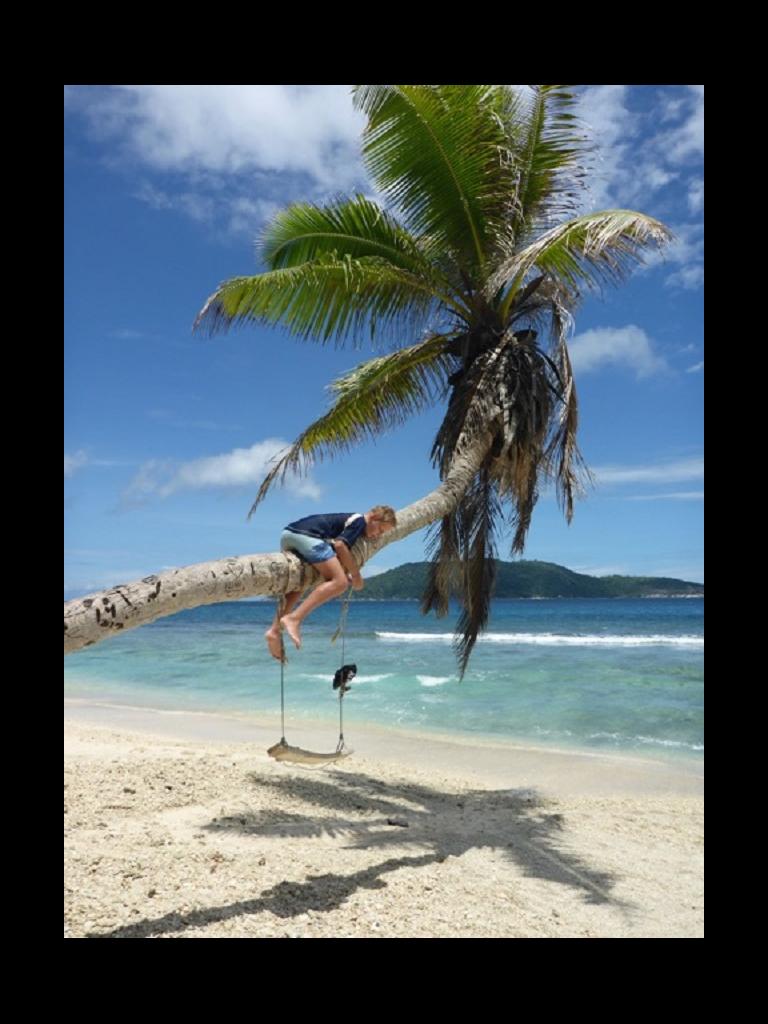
330,526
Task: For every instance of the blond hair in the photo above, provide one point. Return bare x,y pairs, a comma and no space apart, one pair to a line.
384,514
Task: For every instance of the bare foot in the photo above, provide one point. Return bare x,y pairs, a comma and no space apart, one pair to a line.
274,643
292,629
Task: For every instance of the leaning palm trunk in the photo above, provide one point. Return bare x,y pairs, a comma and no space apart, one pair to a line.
87,620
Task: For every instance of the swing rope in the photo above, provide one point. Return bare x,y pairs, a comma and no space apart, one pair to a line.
280,609
342,628
282,751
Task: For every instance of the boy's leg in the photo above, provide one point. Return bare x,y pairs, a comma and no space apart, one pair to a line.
336,583
272,635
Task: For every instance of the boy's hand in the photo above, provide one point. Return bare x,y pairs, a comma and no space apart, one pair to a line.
356,580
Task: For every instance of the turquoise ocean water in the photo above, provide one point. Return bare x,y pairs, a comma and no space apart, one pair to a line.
598,674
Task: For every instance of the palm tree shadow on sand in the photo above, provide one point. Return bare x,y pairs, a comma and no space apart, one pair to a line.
439,825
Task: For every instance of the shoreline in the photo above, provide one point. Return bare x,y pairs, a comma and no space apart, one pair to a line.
489,757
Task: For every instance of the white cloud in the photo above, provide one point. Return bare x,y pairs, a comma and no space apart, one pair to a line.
81,458
154,197
626,346
245,215
687,250
689,278
696,368
625,171
696,195
664,472
238,468
603,108
146,482
227,213
74,462
671,109
226,142
233,129
685,141
628,169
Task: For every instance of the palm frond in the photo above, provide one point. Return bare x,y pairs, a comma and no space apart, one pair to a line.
331,296
600,246
439,155
443,575
564,462
478,514
355,227
462,556
371,398
532,307
528,399
551,174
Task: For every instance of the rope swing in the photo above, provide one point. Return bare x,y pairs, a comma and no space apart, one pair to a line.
283,751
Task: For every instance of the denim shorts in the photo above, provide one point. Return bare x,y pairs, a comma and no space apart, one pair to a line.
309,549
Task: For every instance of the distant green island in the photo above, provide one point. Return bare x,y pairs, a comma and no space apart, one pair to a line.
532,580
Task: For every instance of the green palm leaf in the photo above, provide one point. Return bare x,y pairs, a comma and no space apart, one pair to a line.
441,156
330,296
597,247
552,142
356,227
478,518
374,396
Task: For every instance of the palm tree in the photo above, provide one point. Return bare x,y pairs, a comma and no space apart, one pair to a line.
479,253
480,250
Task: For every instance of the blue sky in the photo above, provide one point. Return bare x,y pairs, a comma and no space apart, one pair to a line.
167,434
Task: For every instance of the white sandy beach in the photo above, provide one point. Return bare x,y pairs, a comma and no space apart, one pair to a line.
178,825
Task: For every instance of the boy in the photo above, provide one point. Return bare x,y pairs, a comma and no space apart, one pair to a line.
310,539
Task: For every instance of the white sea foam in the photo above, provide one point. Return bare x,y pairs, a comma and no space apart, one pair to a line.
645,739
551,639
621,738
433,680
670,743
